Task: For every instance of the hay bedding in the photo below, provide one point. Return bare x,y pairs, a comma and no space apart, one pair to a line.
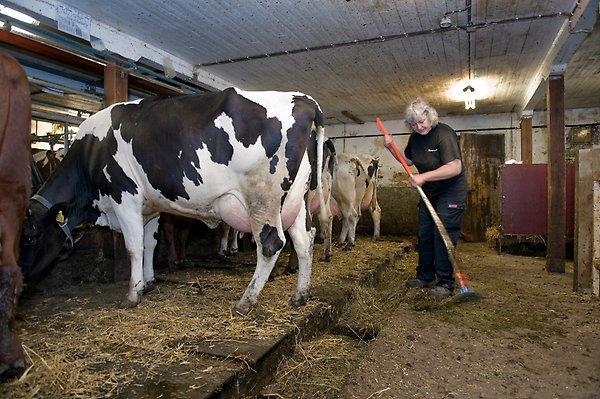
319,368
79,345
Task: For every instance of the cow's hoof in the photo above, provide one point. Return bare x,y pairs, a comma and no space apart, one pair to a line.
13,371
325,258
243,307
128,304
299,299
290,269
374,238
347,247
233,252
149,287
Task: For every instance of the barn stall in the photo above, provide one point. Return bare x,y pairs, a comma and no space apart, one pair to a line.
533,70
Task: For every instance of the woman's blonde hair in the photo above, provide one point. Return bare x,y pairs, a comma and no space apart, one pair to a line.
416,109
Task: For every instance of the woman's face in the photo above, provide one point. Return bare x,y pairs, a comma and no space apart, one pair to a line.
422,125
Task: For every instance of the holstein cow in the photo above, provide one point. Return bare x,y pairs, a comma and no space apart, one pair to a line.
235,156
354,189
15,190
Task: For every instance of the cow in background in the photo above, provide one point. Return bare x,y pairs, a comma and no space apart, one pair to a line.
175,233
15,190
225,249
354,189
325,215
233,156
47,161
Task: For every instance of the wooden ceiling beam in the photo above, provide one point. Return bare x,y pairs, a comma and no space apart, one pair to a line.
353,117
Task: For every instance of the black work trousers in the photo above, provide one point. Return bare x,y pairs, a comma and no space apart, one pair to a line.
434,263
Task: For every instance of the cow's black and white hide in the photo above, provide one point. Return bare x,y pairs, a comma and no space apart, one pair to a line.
234,156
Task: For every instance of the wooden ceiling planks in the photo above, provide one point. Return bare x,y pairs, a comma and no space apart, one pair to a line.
366,77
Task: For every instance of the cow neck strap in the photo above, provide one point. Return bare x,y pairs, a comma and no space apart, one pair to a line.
63,226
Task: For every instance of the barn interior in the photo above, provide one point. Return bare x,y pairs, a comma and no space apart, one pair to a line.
519,81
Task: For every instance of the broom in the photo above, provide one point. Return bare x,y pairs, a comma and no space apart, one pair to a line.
465,292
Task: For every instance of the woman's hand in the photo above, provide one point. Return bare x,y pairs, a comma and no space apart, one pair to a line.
417,180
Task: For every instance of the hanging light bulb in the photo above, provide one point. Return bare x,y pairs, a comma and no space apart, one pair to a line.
469,97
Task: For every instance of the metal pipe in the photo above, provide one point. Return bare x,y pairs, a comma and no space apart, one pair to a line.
66,137
485,129
386,38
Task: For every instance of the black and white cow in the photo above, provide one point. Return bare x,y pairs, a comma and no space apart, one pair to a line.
236,156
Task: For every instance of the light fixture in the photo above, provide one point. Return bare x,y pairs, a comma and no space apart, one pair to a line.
18,15
469,96
445,22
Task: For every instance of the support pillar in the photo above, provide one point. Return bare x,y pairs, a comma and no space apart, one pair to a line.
115,90
115,84
526,138
555,113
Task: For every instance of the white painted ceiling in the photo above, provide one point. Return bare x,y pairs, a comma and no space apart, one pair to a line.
368,79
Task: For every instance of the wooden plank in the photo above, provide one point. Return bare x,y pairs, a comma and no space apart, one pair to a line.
526,140
555,113
115,84
582,262
483,154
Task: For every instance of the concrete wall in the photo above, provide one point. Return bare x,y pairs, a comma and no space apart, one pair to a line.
397,200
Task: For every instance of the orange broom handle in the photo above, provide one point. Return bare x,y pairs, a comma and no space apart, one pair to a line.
393,147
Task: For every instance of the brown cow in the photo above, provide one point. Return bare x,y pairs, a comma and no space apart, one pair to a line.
15,190
175,232
47,161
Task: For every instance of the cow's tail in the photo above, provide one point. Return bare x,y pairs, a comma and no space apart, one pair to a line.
330,159
320,140
359,165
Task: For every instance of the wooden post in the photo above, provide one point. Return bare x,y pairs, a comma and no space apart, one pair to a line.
115,90
555,113
526,138
582,257
115,84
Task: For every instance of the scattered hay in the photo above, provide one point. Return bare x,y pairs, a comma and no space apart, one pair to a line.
318,369
80,346
493,235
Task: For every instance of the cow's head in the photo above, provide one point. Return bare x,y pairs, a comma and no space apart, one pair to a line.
45,238
373,167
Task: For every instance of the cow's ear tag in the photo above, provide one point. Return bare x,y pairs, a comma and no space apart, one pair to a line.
60,218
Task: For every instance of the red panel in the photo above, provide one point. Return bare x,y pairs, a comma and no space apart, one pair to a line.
525,199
